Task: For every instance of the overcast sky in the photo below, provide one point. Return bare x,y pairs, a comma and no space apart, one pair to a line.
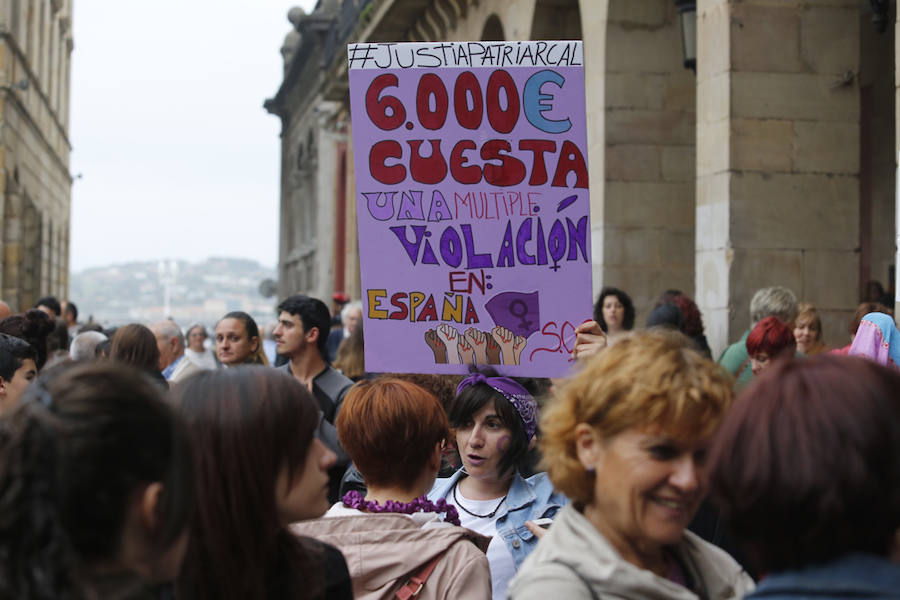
178,158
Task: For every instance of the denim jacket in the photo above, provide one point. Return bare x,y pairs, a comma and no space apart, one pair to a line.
850,576
528,499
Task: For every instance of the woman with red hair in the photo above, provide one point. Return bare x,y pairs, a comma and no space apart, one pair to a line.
770,340
398,542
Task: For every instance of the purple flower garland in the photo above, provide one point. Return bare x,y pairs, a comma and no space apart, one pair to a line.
353,499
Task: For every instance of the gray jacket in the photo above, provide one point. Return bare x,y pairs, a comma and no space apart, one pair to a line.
574,561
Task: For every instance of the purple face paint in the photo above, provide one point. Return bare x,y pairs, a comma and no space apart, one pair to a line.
503,444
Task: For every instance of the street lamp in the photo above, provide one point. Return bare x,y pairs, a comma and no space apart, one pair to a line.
687,11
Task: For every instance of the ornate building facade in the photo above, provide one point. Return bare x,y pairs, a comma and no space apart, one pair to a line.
773,164
35,183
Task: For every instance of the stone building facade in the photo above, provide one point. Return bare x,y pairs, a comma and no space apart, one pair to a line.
773,164
35,183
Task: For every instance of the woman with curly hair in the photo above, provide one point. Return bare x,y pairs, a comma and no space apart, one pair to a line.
614,312
626,440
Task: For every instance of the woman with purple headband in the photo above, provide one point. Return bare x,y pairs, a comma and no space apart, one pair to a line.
494,420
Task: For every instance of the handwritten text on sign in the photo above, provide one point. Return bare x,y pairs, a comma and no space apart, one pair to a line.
472,193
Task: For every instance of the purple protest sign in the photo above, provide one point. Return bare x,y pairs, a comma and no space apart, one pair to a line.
473,204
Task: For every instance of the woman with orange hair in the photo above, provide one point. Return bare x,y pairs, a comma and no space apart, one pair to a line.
394,538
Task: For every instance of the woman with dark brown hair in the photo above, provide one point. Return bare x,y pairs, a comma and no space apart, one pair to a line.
806,469
135,345
96,487
259,468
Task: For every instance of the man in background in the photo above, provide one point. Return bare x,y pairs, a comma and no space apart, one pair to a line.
50,305
84,345
301,335
766,302
70,314
172,363
17,370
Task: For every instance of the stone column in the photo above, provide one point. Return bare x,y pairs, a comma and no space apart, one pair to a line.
777,158
645,212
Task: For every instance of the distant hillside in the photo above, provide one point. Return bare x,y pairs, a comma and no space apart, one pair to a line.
198,292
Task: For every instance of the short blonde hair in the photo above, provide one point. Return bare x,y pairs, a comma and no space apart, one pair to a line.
807,313
651,380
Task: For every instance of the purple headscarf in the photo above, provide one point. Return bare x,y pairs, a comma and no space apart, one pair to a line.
877,339
518,396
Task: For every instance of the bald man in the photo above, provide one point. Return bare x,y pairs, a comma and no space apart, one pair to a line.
4,310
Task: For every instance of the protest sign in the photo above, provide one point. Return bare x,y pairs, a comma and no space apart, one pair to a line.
473,204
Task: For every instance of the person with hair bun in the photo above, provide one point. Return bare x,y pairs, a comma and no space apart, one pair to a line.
96,487
769,340
806,470
625,439
33,326
494,421
394,432
260,468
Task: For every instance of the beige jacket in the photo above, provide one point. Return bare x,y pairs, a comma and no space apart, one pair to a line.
384,550
574,561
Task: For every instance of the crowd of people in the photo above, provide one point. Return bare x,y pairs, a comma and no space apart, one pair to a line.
150,461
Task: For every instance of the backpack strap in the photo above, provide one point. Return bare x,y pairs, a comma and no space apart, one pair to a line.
334,385
415,584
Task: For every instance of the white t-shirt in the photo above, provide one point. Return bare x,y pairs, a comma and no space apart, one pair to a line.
503,567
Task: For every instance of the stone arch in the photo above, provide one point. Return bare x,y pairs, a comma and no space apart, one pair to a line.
493,29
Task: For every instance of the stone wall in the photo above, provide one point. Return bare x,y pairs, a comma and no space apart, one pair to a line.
647,215
777,158
773,165
35,51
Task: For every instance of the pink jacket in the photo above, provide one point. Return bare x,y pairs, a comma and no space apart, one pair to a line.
384,550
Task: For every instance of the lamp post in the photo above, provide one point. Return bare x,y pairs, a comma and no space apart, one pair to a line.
687,12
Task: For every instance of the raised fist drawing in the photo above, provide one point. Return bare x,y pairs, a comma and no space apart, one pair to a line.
492,348
477,339
437,346
518,345
506,339
466,352
450,336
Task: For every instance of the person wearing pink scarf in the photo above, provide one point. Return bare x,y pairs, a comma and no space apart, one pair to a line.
877,339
